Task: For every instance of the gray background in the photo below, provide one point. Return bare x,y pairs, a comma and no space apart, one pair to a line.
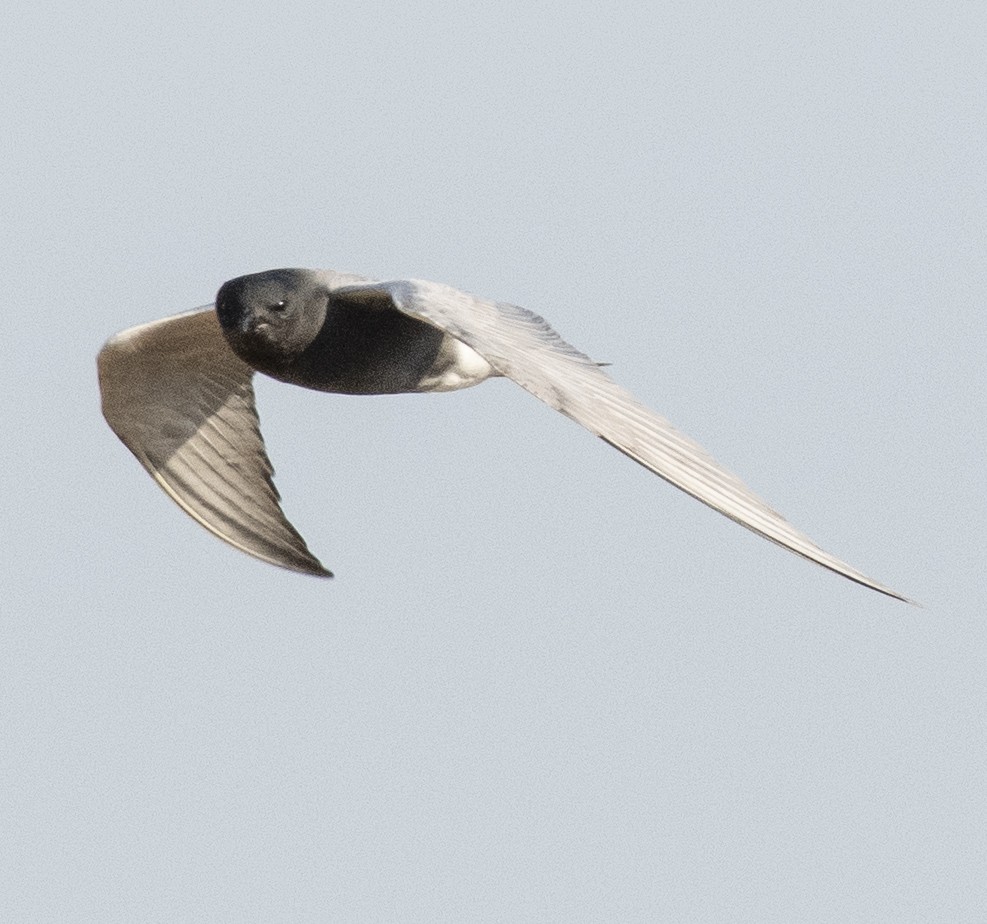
544,685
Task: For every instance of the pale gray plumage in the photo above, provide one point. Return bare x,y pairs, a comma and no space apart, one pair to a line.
178,393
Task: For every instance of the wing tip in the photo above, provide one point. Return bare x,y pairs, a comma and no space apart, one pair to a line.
316,569
897,596
881,589
300,561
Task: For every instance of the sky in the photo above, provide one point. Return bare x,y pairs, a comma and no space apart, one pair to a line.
543,685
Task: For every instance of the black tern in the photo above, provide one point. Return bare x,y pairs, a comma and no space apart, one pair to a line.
178,392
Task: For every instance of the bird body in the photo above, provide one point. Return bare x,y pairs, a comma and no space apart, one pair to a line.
178,393
338,333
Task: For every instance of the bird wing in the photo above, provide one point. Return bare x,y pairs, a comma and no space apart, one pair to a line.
183,404
522,346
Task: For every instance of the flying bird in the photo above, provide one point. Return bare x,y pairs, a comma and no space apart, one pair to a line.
178,392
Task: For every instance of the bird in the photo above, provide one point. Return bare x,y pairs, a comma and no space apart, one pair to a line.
178,392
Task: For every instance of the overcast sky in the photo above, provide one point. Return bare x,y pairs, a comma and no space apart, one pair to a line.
544,685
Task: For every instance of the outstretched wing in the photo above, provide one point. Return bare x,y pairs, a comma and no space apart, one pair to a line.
183,403
523,347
